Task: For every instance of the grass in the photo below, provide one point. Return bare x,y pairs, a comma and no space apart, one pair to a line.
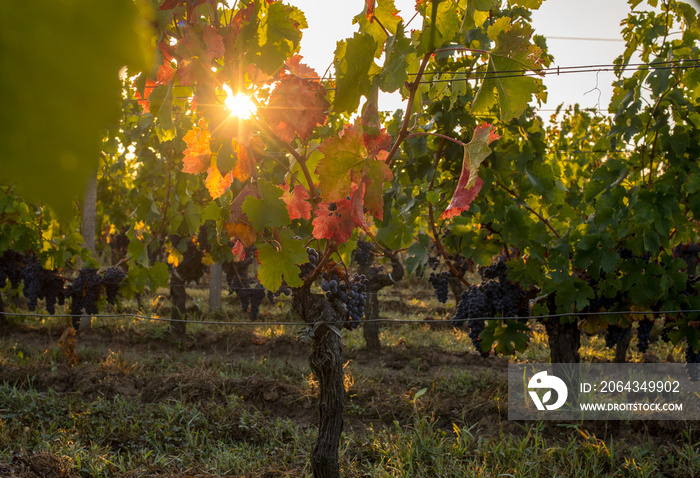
119,437
221,402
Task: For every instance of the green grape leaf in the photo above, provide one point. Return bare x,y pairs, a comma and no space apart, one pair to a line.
268,211
508,336
443,23
530,4
158,275
354,62
395,71
281,262
61,61
278,35
371,20
513,53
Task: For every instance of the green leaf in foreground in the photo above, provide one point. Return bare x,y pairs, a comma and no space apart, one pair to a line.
60,65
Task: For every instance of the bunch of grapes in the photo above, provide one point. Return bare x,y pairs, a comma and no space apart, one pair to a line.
614,335
440,283
112,278
644,334
84,293
40,283
308,267
362,254
665,330
11,267
689,253
191,268
251,295
473,306
282,290
495,271
692,359
351,292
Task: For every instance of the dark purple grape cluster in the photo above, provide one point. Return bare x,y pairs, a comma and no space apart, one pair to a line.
692,363
473,306
351,291
308,267
282,290
615,334
362,254
665,331
40,283
12,264
644,334
112,278
84,293
689,253
495,271
440,283
191,268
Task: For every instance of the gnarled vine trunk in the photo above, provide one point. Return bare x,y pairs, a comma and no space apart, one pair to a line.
564,339
326,361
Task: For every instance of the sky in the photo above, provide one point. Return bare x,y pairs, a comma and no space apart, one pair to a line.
557,20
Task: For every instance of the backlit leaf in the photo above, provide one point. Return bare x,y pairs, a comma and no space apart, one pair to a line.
267,211
297,203
334,221
469,183
513,53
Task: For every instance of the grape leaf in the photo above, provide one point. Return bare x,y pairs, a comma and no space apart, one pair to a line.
297,203
215,182
508,335
267,211
513,52
238,226
353,61
197,154
277,264
214,43
371,20
443,21
278,36
61,62
347,165
395,70
297,104
334,221
469,183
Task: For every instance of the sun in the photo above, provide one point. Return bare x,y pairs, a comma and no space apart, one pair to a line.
239,105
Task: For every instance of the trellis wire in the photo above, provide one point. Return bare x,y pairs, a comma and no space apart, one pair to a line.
390,321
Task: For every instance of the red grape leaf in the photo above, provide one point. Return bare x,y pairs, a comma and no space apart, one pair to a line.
238,250
347,164
334,221
214,43
165,73
297,203
297,104
469,183
198,153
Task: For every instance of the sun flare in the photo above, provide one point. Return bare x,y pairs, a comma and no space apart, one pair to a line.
239,105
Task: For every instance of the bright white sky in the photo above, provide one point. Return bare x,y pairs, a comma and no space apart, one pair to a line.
330,21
